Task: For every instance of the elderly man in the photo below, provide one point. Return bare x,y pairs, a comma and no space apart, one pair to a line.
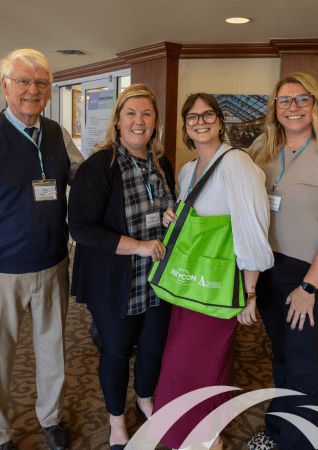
38,159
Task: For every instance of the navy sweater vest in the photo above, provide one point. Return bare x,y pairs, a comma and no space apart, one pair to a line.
33,235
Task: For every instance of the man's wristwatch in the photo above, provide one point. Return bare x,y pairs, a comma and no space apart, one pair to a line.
308,287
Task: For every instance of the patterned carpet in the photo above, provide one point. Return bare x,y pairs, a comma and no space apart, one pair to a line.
84,410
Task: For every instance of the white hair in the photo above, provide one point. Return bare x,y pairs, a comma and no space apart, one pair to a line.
31,58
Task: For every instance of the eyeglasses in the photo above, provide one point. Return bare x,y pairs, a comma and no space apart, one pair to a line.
193,119
24,83
301,101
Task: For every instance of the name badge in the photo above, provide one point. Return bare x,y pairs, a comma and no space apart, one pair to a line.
153,220
274,202
44,190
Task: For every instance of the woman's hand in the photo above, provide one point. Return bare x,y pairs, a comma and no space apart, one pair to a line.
247,316
301,304
154,248
168,216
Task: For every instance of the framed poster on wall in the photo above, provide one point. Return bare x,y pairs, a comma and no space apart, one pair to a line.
76,113
244,117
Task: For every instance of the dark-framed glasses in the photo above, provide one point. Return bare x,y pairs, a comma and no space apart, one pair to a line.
193,119
24,83
301,100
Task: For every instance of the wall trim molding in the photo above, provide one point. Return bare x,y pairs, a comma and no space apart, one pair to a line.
207,51
110,65
295,45
151,52
274,49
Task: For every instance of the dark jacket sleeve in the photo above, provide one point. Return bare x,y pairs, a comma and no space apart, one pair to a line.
97,221
88,205
168,170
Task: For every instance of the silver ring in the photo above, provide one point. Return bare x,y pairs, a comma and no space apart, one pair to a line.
302,315
158,253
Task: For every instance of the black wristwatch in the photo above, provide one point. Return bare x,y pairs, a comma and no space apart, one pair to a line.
308,287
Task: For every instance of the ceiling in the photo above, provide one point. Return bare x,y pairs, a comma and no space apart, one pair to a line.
101,29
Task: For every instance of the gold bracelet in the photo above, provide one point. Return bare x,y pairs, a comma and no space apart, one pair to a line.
251,295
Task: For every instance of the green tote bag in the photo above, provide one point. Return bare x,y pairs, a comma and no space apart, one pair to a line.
199,271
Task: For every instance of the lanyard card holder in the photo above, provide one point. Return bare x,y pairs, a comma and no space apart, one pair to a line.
274,199
44,190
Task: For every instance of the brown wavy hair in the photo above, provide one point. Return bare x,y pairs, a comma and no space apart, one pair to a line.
275,137
113,134
188,104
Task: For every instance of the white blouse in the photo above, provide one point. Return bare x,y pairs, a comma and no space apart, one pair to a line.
237,188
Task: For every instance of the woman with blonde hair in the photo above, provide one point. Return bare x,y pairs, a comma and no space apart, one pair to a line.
116,207
287,293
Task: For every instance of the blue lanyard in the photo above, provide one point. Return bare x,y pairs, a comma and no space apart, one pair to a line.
147,185
195,170
282,155
29,137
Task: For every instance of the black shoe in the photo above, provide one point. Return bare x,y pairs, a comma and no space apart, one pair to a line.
140,411
115,446
57,437
7,446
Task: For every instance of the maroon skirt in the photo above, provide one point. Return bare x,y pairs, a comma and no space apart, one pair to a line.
199,353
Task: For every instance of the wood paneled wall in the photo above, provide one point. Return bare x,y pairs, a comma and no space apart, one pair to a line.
158,66
162,76
295,62
299,55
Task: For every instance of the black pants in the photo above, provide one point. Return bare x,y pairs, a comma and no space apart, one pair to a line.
149,330
295,352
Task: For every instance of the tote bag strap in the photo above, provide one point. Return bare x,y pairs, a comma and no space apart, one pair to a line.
190,200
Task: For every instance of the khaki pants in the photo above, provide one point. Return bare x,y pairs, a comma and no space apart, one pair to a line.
45,295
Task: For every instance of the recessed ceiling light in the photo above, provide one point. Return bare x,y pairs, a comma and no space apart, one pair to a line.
238,20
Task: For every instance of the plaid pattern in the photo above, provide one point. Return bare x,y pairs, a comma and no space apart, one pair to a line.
137,206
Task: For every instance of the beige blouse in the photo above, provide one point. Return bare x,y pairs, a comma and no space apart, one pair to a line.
294,228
